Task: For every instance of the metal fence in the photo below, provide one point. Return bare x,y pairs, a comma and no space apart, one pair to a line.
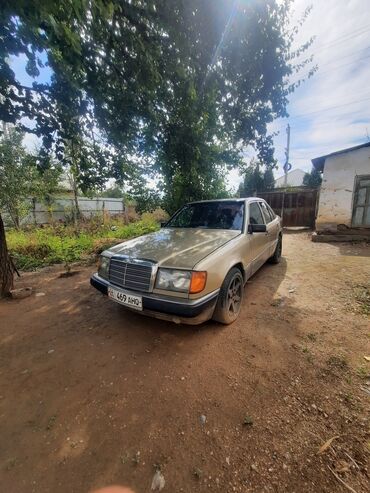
61,209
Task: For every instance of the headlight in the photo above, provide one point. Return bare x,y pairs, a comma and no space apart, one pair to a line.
173,280
182,281
103,266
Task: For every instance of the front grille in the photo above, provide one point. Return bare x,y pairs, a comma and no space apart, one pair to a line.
131,274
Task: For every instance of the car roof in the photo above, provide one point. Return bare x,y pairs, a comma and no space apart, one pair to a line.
244,199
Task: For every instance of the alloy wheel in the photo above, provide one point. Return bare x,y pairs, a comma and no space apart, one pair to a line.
234,295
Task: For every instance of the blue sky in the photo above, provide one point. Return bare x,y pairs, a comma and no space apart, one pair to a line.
330,111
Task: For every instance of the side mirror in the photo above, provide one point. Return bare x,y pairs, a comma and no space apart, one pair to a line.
257,228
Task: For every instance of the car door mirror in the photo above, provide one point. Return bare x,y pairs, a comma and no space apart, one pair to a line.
257,228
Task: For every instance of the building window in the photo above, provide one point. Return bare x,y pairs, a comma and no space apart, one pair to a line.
361,203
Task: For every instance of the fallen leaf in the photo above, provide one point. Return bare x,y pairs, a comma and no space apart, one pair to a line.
326,445
367,358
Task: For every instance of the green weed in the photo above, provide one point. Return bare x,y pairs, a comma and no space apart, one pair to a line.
39,247
338,362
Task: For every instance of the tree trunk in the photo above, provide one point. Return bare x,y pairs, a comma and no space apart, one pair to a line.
6,266
76,211
34,211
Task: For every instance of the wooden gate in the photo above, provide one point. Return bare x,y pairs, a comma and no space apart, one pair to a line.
296,208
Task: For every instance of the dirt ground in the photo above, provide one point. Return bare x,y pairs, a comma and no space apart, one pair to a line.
91,394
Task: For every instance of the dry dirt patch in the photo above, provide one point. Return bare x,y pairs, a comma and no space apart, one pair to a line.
91,394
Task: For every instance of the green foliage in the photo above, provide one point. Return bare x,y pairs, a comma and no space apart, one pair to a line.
158,215
21,179
145,199
312,179
16,175
62,244
268,179
151,86
257,178
114,192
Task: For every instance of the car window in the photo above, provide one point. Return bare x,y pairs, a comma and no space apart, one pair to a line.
266,212
255,214
272,213
209,215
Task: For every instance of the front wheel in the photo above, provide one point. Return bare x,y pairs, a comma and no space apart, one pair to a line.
230,298
275,258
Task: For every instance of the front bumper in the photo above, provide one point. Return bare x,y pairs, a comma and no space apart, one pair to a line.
179,310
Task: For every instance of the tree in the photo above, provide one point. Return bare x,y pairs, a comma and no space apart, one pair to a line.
187,83
312,179
21,179
14,175
46,184
17,170
257,178
6,264
115,192
228,81
268,179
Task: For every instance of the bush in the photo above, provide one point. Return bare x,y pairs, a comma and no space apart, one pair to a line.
131,214
38,247
158,215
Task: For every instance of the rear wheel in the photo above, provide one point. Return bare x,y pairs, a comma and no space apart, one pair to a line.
230,298
275,258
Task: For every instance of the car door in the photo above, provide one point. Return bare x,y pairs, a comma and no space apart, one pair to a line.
272,227
257,243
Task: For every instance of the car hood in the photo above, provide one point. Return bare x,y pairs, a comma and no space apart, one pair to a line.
175,247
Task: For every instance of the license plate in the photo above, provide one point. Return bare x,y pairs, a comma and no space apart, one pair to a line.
125,298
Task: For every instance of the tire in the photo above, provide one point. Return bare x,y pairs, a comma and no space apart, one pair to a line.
275,258
230,298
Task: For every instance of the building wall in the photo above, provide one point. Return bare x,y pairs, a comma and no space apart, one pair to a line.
338,186
295,179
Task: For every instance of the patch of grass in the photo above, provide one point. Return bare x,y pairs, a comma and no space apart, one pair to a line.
197,473
362,372
311,337
10,463
361,295
136,459
247,421
338,362
348,398
39,247
51,423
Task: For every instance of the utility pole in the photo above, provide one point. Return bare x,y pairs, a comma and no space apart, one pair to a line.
287,165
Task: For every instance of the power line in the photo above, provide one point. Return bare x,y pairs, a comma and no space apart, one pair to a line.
319,73
348,56
302,115
320,123
346,37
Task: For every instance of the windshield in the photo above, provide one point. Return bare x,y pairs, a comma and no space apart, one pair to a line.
209,215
